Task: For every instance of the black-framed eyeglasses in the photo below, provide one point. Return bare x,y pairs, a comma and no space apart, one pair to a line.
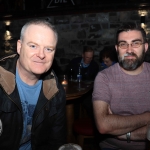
134,44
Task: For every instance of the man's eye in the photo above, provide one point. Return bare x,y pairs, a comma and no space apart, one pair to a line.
122,44
49,49
32,46
136,43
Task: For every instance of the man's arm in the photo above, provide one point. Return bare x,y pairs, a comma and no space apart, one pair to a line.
108,123
58,129
139,134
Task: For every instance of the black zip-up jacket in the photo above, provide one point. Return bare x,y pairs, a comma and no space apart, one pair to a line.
49,122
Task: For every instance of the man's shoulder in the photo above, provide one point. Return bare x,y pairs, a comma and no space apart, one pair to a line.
111,68
109,72
147,64
147,67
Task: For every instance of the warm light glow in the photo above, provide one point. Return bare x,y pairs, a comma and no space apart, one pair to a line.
7,35
7,23
143,25
64,82
142,12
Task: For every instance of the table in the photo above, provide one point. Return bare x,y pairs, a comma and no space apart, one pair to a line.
73,91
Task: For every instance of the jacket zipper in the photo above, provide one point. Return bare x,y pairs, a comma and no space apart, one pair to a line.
38,115
42,109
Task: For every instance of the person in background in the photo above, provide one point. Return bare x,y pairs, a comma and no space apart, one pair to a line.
121,95
32,103
108,57
89,68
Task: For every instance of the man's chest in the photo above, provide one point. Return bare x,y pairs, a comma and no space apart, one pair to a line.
130,97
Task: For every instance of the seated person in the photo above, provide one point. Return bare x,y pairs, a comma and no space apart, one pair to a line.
89,68
108,57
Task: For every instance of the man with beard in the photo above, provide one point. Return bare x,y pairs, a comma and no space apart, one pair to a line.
121,95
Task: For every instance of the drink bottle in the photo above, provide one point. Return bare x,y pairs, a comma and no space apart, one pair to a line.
79,75
71,74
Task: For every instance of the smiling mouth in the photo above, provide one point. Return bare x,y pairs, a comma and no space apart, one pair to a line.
128,57
38,62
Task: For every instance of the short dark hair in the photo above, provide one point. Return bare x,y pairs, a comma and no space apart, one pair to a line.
129,27
108,52
87,49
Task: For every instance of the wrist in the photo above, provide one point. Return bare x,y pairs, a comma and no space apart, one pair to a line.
128,136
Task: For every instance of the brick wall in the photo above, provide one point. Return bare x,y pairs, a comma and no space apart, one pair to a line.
96,30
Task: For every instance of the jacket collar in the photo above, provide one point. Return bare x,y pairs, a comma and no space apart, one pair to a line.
7,77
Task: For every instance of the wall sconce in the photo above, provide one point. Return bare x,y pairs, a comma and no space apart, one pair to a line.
143,14
7,34
143,22
143,19
7,27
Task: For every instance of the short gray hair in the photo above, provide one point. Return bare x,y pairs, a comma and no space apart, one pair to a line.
41,22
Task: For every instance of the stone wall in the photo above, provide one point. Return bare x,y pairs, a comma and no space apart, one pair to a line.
96,30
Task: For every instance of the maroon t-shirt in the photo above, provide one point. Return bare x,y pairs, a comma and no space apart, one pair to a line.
126,95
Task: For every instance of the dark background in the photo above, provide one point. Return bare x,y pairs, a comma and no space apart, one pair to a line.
25,8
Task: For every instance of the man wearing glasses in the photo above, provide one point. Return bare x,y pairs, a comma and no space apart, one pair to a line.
121,95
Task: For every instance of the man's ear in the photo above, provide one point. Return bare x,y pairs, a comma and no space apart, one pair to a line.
18,46
146,46
116,47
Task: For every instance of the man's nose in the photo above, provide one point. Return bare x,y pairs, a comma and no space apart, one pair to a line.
41,53
129,48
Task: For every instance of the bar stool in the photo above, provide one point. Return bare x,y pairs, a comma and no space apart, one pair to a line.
84,128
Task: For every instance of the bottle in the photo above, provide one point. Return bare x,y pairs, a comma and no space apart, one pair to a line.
71,74
79,75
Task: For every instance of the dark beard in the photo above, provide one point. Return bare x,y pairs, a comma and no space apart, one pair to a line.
131,64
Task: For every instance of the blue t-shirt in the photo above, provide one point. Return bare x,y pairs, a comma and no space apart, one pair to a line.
29,95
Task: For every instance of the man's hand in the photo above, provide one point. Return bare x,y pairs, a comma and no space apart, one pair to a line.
109,110
114,124
122,137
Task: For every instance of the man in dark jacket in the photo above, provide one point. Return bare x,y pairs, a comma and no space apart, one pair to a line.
32,102
89,68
